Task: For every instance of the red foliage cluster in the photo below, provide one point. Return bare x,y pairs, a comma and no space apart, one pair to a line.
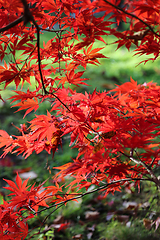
116,132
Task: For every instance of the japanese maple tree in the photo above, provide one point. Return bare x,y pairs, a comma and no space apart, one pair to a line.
116,132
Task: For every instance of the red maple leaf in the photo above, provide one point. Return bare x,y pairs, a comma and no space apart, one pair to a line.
31,104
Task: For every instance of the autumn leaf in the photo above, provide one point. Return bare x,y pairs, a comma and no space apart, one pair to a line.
23,197
31,104
92,54
5,139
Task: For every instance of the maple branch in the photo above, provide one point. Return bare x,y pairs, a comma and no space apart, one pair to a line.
27,13
132,15
148,168
28,17
62,203
152,162
93,191
12,24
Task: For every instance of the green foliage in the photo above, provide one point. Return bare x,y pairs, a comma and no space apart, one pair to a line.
117,231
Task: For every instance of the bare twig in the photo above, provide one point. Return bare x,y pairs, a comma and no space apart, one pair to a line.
152,162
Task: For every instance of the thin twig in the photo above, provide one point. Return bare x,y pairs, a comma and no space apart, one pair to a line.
96,190
132,15
152,162
140,162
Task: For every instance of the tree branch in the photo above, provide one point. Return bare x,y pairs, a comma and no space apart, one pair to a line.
104,187
132,15
149,170
12,24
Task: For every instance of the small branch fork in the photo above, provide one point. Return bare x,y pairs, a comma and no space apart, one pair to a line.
148,168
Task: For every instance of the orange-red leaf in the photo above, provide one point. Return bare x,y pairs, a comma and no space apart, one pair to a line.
31,104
